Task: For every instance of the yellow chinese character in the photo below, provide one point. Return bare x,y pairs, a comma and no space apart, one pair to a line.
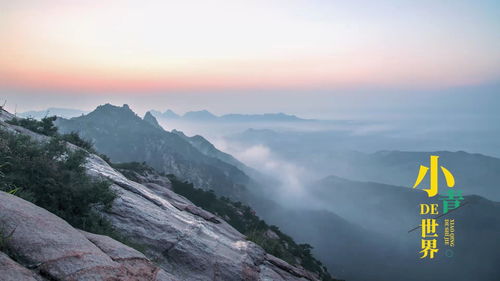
429,228
433,190
429,248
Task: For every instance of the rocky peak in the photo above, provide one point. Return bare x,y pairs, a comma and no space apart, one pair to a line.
179,133
125,137
148,117
107,118
108,110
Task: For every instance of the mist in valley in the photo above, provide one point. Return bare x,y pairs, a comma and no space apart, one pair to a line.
344,186
340,182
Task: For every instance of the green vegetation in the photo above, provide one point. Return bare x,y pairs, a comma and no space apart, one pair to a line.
244,219
131,169
75,139
46,127
52,176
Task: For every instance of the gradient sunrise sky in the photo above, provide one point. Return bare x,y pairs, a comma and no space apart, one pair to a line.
77,53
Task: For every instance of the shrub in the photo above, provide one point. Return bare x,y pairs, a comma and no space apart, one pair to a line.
140,168
53,177
75,139
44,127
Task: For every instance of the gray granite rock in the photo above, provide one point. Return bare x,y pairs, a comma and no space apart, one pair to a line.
184,239
12,271
49,245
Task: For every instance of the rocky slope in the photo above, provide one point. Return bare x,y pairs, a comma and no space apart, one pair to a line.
181,241
48,248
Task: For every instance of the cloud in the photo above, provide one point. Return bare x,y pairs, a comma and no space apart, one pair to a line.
292,178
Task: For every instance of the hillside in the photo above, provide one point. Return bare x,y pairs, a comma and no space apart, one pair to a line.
180,241
238,215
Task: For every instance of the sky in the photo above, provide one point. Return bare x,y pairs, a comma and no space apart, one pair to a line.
242,56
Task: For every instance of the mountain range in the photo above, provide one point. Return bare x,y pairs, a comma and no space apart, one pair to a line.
325,153
206,116
60,112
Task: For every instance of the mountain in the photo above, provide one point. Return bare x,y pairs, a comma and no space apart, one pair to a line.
205,147
258,179
388,213
178,241
123,136
474,173
202,115
351,251
170,114
60,112
329,153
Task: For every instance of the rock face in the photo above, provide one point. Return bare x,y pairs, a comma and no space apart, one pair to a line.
184,241
54,249
12,271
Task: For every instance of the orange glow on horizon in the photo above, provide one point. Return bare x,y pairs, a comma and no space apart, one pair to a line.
128,46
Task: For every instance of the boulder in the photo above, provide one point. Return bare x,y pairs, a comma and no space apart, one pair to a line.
49,245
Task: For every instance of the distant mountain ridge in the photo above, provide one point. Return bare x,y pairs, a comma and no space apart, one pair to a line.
474,173
59,112
206,116
200,115
205,147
